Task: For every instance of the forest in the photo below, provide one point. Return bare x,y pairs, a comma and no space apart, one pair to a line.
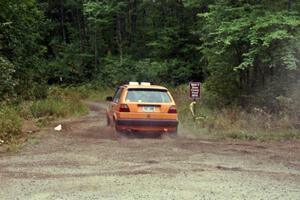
245,52
238,48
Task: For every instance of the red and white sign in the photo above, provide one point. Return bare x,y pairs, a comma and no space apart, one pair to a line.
195,90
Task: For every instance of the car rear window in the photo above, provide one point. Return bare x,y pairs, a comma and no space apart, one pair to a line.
148,96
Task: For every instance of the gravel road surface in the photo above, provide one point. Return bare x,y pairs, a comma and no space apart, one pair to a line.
85,161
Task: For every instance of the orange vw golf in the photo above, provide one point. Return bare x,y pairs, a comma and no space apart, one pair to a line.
142,108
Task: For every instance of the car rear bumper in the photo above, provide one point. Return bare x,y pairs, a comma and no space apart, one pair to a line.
146,125
147,122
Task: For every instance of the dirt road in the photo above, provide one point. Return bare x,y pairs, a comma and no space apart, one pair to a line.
84,161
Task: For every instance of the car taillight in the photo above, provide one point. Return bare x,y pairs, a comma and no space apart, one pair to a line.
172,109
124,108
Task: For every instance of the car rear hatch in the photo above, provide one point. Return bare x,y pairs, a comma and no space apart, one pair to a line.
144,103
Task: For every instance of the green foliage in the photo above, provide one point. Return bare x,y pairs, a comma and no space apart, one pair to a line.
21,32
10,123
7,83
115,73
60,103
71,42
152,71
247,44
57,107
235,122
93,90
246,52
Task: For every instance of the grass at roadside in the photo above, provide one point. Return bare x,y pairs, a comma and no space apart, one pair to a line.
46,110
223,123
230,122
61,102
233,122
10,123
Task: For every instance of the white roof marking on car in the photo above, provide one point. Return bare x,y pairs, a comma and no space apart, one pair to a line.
133,83
145,83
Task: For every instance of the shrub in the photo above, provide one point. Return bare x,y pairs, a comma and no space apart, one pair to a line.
94,91
7,83
10,123
213,120
57,107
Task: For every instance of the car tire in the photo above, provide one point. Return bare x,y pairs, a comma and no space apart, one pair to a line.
107,120
119,134
173,134
116,133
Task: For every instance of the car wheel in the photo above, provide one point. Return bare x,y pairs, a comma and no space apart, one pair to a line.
107,120
116,132
173,134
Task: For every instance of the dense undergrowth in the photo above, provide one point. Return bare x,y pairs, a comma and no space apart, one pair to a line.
251,123
236,122
10,123
59,102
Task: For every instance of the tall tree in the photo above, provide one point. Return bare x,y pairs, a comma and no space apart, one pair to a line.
249,43
21,32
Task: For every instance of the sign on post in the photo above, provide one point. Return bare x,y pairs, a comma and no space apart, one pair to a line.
195,90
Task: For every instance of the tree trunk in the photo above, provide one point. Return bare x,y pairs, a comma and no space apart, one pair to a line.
119,38
132,18
95,47
289,5
78,17
84,24
62,23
